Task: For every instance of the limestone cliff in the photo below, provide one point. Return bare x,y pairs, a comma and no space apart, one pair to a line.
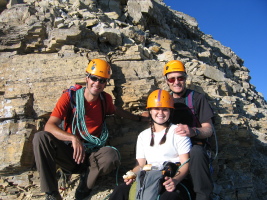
45,47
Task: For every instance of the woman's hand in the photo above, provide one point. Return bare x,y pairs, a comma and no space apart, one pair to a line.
129,181
169,184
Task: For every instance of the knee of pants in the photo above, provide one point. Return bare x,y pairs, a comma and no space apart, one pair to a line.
38,137
109,154
198,159
197,152
107,159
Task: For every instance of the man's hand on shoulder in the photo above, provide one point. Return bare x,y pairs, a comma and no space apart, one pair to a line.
184,130
202,132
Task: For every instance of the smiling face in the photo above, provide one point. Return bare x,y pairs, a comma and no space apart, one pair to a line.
160,115
177,82
94,88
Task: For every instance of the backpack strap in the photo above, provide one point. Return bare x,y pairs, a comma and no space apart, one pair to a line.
190,104
103,104
72,98
72,90
72,95
189,100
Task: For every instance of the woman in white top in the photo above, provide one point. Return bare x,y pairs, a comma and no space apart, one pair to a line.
158,144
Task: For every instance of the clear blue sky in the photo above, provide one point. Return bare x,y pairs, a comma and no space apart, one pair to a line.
238,24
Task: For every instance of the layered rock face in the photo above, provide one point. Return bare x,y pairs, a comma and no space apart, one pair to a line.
46,45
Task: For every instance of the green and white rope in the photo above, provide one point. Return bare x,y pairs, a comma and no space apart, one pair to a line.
78,123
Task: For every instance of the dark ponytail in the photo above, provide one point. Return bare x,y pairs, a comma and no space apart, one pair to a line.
163,139
152,138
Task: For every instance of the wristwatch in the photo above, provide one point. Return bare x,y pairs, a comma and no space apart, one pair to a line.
197,132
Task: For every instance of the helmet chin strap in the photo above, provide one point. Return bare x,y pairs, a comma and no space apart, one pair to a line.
166,122
160,123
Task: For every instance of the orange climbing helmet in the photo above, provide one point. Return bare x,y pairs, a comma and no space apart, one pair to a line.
173,66
99,68
160,99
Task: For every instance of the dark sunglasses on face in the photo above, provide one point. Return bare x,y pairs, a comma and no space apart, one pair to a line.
100,80
172,80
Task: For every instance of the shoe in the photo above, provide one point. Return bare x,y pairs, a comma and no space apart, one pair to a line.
82,191
53,196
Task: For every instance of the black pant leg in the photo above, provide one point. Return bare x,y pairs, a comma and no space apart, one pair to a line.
200,173
183,191
121,192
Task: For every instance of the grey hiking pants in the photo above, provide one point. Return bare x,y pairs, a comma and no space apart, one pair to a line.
49,152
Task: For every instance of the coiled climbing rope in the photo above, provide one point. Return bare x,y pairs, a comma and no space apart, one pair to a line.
78,123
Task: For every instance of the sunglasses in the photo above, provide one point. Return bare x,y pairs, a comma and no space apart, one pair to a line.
172,80
100,80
